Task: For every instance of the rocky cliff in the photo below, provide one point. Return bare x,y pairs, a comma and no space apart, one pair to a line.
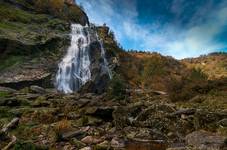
34,37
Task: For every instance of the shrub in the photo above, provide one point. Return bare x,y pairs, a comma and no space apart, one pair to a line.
189,86
117,88
61,127
54,7
198,75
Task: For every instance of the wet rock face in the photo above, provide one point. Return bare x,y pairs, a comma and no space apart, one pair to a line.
99,76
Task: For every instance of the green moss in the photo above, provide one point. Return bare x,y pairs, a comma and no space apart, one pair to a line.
5,113
10,61
4,94
9,26
22,145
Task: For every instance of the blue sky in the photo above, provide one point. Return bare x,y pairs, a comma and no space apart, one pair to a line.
179,28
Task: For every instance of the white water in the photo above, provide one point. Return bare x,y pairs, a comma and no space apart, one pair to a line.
74,69
103,55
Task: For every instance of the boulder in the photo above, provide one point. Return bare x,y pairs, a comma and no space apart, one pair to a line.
72,134
103,145
82,102
37,89
86,148
205,140
7,90
117,143
91,140
223,122
77,143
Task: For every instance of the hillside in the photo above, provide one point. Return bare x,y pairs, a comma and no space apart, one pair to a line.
130,100
214,65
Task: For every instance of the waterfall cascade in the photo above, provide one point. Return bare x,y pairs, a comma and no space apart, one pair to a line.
74,70
103,54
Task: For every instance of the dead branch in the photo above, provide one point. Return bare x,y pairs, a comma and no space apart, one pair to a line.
13,141
10,125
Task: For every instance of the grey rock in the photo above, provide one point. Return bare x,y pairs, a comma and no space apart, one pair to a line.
223,122
184,111
6,89
37,89
91,140
204,139
117,143
72,134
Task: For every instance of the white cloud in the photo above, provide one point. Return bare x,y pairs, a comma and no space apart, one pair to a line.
196,39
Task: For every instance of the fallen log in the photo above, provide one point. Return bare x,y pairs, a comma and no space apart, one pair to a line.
184,111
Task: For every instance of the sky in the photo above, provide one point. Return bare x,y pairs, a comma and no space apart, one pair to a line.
178,28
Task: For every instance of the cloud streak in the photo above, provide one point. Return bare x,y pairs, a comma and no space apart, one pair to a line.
191,31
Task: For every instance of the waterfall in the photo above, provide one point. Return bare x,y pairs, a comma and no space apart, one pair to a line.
74,69
106,64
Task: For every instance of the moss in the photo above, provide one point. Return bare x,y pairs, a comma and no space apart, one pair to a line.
4,94
10,61
9,26
26,145
5,113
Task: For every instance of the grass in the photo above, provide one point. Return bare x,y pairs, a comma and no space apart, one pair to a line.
210,102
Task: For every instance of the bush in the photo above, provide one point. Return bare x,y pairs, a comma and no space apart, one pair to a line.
197,74
189,86
117,88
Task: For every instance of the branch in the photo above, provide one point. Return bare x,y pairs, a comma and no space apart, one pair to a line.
13,141
10,125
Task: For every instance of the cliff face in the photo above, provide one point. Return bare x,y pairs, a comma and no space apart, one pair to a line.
34,36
